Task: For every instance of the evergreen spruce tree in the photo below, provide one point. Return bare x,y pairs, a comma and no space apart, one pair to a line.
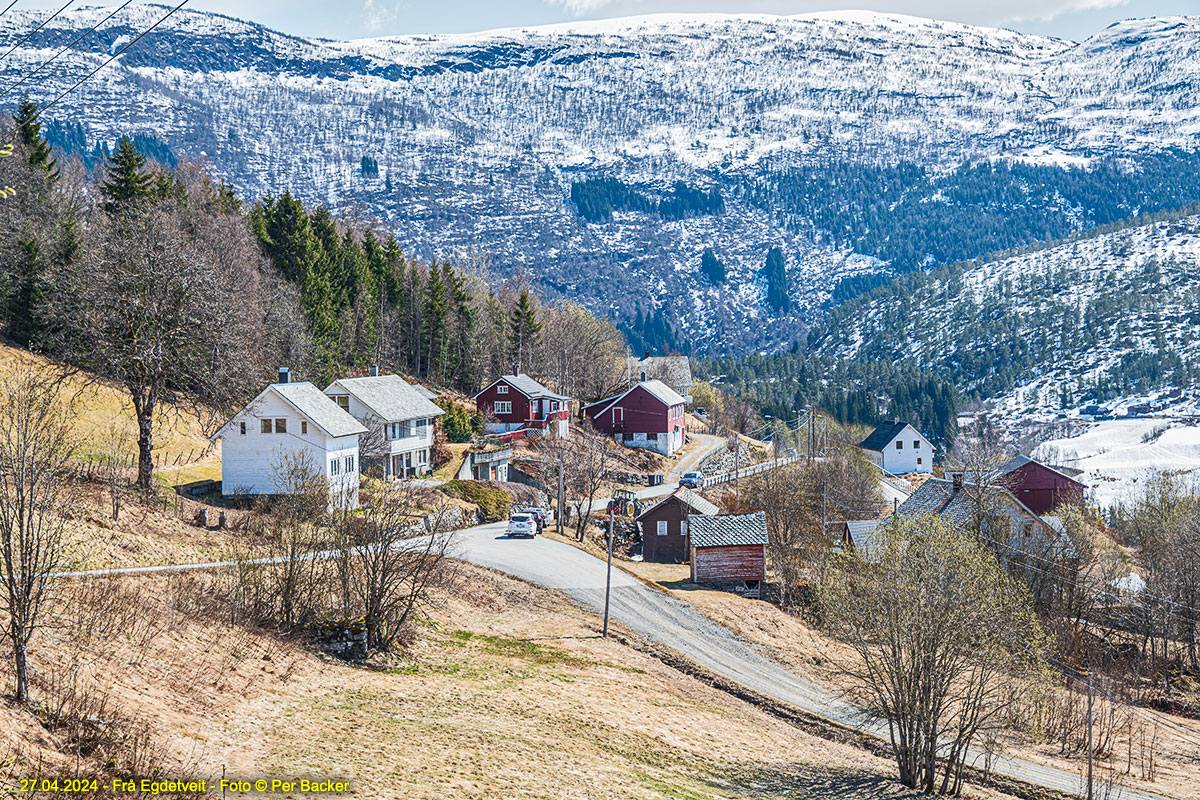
37,149
776,275
436,307
526,332
711,266
126,186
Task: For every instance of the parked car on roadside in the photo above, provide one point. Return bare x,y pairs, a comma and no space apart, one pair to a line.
692,480
540,515
522,525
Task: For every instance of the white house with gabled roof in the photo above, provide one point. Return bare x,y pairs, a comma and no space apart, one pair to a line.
400,419
899,448
290,419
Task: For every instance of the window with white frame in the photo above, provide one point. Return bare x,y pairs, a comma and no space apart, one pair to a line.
916,444
503,407
899,444
918,462
349,465
423,457
662,527
502,389
342,400
242,427
281,425
304,427
264,425
335,467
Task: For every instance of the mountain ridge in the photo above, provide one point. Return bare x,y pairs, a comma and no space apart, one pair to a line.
469,146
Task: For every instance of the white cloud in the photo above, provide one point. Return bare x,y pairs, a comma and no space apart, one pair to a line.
993,12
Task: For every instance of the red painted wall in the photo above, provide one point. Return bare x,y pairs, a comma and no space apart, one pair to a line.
642,412
522,406
744,562
1041,488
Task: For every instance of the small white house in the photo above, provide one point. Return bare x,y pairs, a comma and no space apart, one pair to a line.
289,419
400,419
899,448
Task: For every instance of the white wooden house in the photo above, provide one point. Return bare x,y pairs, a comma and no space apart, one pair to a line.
899,448
285,420
400,419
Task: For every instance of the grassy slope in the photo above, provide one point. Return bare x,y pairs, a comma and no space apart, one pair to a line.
101,407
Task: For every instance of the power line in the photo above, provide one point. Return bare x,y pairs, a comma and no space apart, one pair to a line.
74,42
7,7
110,59
40,25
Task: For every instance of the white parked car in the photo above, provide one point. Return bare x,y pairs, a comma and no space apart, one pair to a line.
522,525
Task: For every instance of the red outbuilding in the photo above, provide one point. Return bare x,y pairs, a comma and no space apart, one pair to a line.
728,548
1040,488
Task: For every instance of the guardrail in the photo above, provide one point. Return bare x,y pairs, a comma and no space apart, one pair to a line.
753,469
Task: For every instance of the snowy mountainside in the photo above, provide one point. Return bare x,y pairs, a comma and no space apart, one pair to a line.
468,145
1107,325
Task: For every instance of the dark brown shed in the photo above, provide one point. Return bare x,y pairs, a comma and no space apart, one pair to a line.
728,548
664,526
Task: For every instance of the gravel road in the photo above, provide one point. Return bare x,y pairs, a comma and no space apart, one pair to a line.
679,626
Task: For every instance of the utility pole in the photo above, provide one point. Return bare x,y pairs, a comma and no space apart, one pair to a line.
558,518
1090,754
608,577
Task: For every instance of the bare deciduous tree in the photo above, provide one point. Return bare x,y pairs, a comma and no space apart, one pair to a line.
400,552
36,449
944,641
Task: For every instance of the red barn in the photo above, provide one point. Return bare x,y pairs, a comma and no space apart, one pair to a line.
649,415
728,548
516,402
665,526
1040,488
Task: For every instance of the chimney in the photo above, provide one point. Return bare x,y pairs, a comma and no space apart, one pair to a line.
374,370
956,479
285,375
646,356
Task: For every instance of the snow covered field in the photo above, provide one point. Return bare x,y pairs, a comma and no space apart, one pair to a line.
1119,456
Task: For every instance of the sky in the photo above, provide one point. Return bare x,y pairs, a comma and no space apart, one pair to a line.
351,19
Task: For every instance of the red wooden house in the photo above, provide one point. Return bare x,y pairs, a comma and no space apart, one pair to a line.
518,402
1039,487
665,526
648,415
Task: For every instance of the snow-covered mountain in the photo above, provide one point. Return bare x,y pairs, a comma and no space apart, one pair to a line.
469,145
1106,325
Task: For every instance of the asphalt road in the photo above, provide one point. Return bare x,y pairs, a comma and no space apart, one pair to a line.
677,625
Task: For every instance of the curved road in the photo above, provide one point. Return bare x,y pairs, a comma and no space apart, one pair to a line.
665,619
679,626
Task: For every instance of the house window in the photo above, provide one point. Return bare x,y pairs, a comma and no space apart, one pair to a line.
899,444
334,467
423,457
916,444
662,527
653,437
918,462
281,425
304,427
643,377
349,465
343,400
264,425
402,430
242,427
629,437
503,407
618,414
502,389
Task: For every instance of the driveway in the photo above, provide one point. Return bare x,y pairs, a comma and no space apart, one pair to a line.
679,626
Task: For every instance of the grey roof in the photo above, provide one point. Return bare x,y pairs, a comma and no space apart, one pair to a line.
862,536
320,410
663,392
526,386
1018,461
675,371
937,496
689,498
727,529
882,436
390,397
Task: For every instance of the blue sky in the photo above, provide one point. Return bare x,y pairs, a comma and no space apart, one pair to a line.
1073,19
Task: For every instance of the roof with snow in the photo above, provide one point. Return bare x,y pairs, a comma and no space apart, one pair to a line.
320,410
727,530
883,435
389,397
688,498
